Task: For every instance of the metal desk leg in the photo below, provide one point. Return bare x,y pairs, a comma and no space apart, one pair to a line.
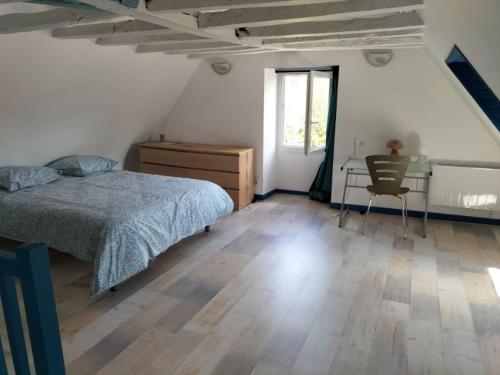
343,214
424,234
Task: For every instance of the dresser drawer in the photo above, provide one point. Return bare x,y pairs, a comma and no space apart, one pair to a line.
226,163
223,179
165,157
163,170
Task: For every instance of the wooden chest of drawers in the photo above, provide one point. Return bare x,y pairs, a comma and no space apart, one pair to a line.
229,167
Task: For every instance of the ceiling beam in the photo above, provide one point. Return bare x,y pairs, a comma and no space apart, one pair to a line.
21,22
218,51
399,21
123,28
180,22
181,46
122,40
208,55
360,43
207,5
309,39
303,13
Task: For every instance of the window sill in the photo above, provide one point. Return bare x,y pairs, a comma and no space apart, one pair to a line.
299,150
318,151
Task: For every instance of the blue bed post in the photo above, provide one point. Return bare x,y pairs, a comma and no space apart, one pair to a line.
14,324
30,263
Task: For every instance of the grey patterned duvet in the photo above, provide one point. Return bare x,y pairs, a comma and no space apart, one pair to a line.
119,220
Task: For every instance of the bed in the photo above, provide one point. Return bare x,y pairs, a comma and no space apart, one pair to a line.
118,220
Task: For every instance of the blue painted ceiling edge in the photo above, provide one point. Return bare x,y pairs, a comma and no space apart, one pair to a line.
77,4
62,3
475,85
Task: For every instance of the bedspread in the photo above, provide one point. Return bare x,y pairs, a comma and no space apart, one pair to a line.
118,220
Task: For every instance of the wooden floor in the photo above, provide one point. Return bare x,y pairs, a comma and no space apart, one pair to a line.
278,289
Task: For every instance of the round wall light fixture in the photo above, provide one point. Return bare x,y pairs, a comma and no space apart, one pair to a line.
378,58
221,67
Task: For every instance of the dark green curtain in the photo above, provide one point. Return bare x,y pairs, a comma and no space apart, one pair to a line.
321,188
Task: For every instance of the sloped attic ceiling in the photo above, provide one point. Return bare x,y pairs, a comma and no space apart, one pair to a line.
473,27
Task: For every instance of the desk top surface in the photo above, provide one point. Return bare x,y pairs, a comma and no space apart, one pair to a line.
423,167
415,167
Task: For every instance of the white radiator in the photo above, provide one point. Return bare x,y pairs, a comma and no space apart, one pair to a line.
465,187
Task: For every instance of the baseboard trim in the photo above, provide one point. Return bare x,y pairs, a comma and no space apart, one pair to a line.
389,211
263,197
420,214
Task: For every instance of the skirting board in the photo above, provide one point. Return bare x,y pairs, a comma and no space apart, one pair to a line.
263,197
420,214
389,211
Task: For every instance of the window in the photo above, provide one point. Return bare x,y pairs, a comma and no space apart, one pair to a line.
475,85
303,106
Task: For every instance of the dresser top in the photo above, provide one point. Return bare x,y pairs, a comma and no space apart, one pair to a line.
194,147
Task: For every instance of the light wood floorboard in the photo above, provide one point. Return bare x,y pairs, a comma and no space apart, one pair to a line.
278,288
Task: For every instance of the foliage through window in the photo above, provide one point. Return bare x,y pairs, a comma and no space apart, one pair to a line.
303,105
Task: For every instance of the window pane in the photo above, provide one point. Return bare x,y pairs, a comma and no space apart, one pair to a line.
294,109
319,111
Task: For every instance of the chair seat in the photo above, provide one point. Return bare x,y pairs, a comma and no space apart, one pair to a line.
402,191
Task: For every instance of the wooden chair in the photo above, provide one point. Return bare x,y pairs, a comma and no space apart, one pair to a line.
30,264
387,173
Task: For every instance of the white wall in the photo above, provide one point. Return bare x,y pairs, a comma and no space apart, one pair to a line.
296,171
60,97
473,27
269,131
410,99
236,109
222,110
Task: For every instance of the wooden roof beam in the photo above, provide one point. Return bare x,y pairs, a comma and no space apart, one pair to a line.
208,5
181,46
180,22
400,21
319,38
303,13
360,43
123,28
122,40
218,51
249,51
21,22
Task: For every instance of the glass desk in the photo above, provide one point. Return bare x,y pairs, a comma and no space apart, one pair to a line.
355,167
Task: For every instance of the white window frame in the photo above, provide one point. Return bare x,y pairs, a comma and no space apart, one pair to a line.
306,149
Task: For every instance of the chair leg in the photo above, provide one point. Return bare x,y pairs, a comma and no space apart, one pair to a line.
403,214
367,212
406,209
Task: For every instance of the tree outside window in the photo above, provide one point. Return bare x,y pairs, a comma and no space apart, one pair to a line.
304,101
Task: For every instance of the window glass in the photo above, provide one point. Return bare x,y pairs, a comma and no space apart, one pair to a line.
320,102
294,109
304,101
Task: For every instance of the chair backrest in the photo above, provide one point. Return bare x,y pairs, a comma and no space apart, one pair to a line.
30,265
387,172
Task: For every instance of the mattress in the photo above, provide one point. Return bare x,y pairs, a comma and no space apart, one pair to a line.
118,220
